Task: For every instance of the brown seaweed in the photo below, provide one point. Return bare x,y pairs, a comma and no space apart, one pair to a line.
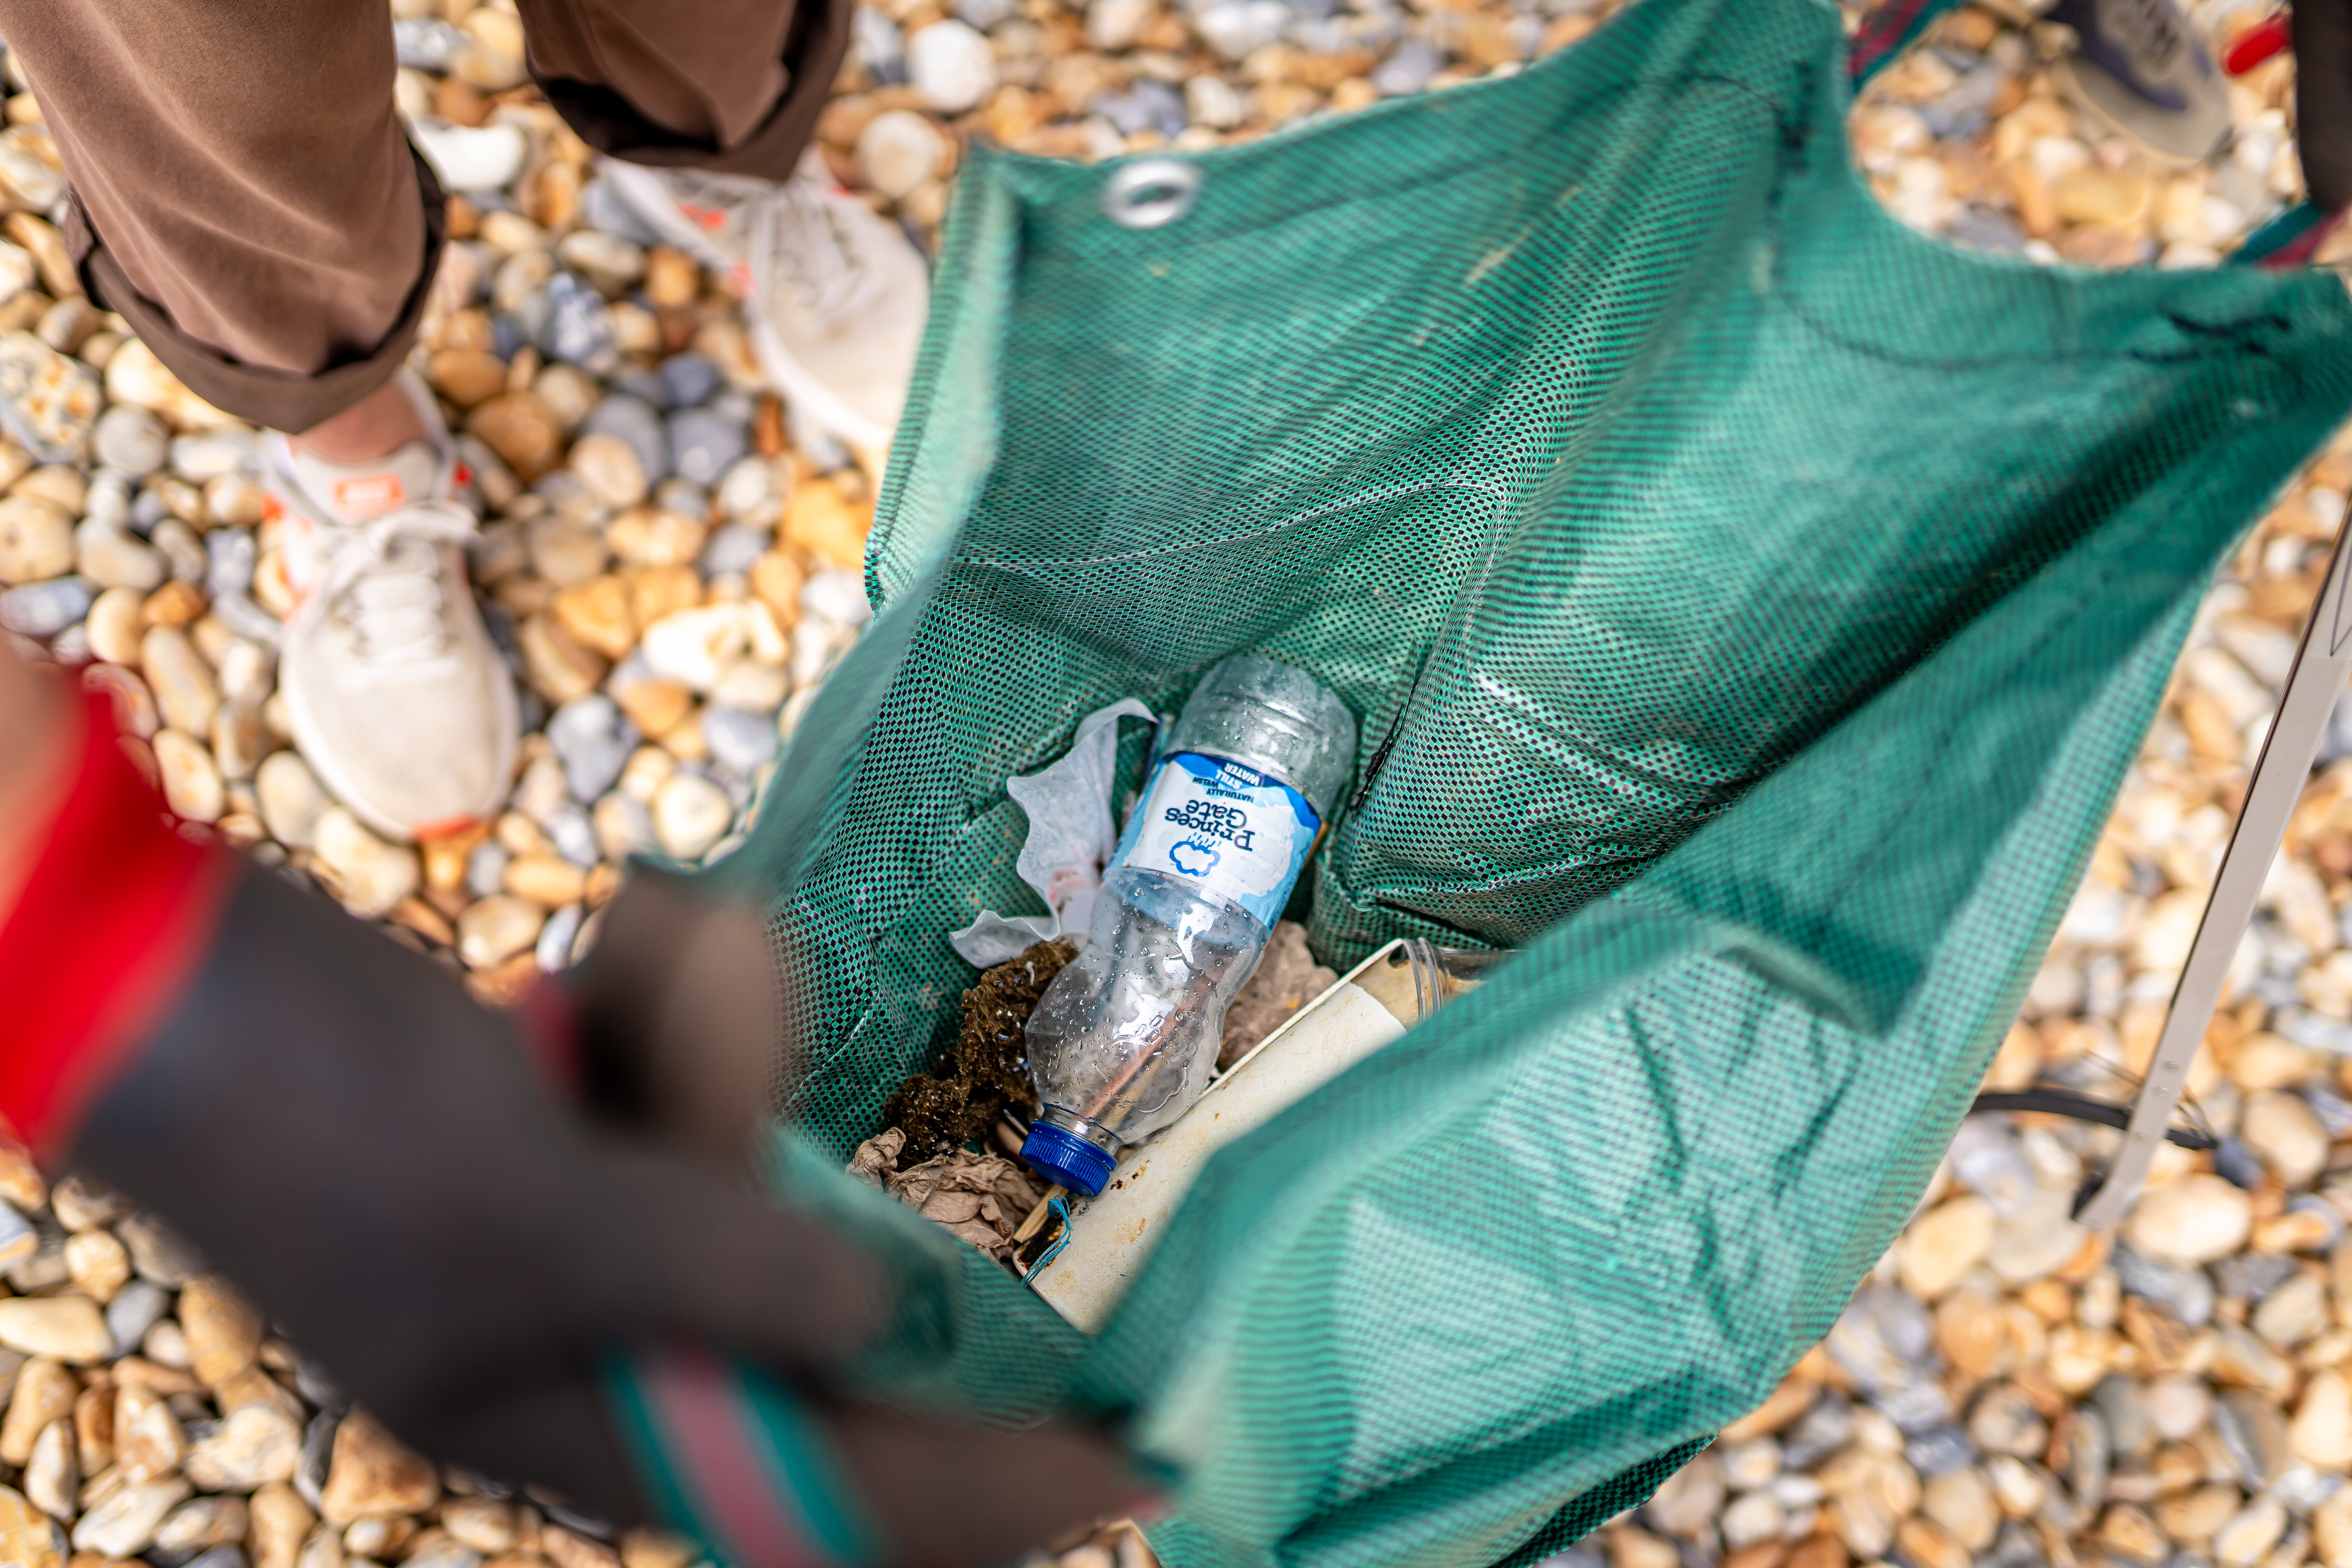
986,1070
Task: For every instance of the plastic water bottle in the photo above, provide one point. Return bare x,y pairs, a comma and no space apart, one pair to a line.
1126,1036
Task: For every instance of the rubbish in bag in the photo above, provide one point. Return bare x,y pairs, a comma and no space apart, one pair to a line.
1128,1033
978,1198
1071,834
1110,1237
980,1087
986,1071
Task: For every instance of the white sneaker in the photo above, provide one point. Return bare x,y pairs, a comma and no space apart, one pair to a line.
396,696
837,295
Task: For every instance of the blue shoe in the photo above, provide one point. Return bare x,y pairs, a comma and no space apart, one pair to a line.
2139,66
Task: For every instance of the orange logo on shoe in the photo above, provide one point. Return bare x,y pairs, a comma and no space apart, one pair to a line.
710,218
374,491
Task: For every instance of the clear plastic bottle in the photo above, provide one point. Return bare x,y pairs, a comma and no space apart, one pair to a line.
1126,1036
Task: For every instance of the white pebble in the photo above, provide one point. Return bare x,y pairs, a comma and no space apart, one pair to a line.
950,64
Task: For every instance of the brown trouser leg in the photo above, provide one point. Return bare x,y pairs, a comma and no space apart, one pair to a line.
246,198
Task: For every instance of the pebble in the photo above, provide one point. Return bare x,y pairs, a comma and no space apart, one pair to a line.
610,469
496,928
52,1477
224,1330
256,1446
690,815
125,1524
741,741
35,540
2196,1219
112,558
1944,1245
45,610
899,150
371,876
182,682
48,401
636,422
291,799
471,158
371,1474
593,740
705,442
2286,1134
191,778
67,1328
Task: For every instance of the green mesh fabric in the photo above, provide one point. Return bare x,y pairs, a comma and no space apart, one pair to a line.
1749,606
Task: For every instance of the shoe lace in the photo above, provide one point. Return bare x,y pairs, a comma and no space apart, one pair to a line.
384,579
797,240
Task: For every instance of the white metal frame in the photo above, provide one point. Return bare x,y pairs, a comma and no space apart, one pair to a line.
2279,774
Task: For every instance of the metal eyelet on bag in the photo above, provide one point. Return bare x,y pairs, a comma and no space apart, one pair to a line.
1152,193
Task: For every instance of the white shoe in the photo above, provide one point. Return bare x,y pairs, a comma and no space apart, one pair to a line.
837,295
396,696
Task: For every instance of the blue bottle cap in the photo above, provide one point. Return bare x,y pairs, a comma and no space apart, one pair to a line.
1069,1159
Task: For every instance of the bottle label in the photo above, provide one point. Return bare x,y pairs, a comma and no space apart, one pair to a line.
1241,835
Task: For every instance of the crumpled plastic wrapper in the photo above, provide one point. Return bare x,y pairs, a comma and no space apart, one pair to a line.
1072,831
979,1199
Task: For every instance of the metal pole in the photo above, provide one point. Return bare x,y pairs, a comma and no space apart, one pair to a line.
2280,773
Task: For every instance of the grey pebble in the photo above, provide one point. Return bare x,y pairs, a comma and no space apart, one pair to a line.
230,556
1917,1408
877,44
45,1265
45,610
128,438
602,207
986,14
555,939
2131,1430
740,742
635,421
1148,105
570,321
690,377
1939,1450
318,1452
425,43
226,1556
184,548
2313,1031
734,549
704,442
486,869
1819,1432
1410,68
158,1252
2254,1433
138,1306
2187,1291
682,496
592,740
2253,1275
109,498
573,833
639,381
2089,1455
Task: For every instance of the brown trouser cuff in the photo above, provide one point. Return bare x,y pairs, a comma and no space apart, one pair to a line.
278,399
814,51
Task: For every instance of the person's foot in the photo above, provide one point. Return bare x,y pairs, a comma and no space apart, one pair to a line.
394,692
2139,67
836,295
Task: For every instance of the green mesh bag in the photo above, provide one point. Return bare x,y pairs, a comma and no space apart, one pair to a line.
1749,607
